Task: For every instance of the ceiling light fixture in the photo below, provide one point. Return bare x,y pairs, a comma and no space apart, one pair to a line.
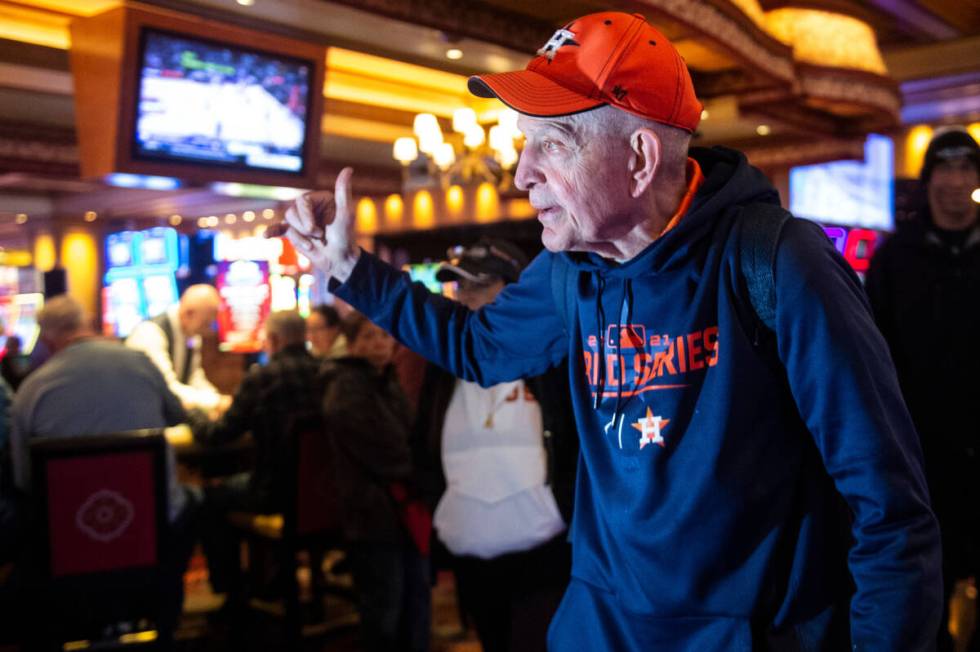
763,130
454,54
469,153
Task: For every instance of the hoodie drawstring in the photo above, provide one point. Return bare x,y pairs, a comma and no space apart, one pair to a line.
625,300
600,317
625,306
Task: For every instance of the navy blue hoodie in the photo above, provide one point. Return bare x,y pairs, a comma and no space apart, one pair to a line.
705,511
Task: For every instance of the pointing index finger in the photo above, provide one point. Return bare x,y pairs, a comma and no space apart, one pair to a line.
342,192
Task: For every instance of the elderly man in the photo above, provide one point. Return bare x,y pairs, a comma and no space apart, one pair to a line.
715,449
172,340
924,283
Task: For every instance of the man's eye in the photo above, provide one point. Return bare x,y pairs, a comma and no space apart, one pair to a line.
550,146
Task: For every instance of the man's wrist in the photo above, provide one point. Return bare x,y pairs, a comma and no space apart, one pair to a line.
342,270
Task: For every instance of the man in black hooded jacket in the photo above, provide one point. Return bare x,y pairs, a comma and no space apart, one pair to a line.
924,286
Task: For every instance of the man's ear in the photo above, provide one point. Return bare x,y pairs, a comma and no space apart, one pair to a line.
646,153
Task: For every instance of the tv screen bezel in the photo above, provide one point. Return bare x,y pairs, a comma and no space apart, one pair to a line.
134,143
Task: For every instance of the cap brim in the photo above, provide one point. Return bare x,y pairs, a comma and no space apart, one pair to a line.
448,273
531,93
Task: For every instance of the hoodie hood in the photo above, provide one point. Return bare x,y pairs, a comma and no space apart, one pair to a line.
729,181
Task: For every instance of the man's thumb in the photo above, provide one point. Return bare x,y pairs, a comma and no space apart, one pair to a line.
344,201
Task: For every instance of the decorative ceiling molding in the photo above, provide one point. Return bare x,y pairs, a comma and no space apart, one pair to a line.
730,29
474,20
821,98
879,95
804,152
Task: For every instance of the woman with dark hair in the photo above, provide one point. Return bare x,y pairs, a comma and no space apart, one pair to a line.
323,332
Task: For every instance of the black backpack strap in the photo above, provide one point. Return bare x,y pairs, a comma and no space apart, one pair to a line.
761,226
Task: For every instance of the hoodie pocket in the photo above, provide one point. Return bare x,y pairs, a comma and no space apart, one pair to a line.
592,619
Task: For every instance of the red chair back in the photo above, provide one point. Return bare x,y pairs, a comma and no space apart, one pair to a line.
102,513
316,499
103,502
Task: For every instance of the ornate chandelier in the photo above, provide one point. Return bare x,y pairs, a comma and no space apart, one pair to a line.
470,154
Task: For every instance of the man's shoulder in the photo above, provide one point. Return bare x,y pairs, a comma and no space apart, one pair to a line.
145,329
106,348
293,367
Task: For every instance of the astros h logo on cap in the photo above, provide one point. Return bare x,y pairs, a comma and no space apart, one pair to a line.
604,58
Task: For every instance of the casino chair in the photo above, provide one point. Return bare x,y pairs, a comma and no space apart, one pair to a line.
309,522
100,524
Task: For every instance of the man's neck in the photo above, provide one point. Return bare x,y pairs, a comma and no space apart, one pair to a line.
663,206
74,338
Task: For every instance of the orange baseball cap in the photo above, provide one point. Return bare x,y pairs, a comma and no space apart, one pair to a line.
604,58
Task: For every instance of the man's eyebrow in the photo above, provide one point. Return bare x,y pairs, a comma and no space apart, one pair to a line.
561,127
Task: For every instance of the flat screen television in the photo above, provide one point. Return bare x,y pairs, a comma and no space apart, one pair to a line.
160,94
859,194
209,102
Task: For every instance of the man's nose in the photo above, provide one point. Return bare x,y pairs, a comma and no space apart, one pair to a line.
527,174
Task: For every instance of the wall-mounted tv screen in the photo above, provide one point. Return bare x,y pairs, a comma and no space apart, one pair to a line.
848,193
206,102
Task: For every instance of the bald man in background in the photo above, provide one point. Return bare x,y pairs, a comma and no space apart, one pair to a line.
172,340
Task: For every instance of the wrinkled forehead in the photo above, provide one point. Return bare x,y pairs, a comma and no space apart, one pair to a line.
569,125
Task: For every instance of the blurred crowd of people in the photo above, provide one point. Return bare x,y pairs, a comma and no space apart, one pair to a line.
394,428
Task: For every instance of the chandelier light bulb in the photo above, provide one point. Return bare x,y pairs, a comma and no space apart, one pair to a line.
463,119
429,142
425,123
405,150
508,120
474,136
500,138
444,156
507,157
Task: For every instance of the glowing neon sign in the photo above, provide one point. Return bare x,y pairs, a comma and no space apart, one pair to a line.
857,246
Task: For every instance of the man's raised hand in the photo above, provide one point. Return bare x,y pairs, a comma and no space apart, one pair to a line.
320,225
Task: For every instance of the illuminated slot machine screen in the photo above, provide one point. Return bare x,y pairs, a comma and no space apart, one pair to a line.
304,294
158,248
854,201
425,273
159,292
19,315
246,300
140,281
122,303
283,292
119,249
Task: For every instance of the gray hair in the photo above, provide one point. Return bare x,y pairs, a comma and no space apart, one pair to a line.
287,325
613,126
61,317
